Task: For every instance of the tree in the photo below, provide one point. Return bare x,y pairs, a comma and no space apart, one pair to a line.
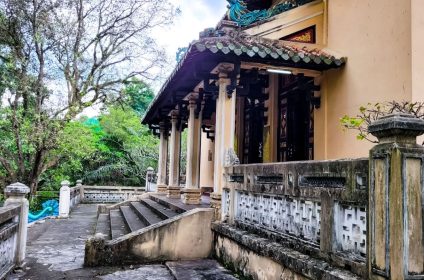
372,112
138,96
131,149
59,57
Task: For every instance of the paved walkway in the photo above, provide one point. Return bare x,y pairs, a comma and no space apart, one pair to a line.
55,250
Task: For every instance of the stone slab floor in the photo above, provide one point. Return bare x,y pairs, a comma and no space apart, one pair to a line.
55,250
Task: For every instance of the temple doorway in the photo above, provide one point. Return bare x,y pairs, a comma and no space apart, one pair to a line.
296,125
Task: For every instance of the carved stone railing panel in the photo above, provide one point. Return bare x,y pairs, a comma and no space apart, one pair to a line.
284,215
226,201
351,229
9,226
75,194
106,194
299,204
8,240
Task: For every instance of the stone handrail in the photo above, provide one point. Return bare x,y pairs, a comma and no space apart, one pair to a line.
76,194
9,221
13,228
317,207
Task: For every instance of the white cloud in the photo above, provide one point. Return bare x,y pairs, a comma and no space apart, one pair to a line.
196,15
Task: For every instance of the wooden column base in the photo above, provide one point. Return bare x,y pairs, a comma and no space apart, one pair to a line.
216,205
173,192
191,196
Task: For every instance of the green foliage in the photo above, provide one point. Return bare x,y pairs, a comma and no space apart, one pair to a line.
131,149
112,149
138,95
371,112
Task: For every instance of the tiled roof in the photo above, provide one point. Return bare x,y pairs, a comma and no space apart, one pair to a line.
238,43
229,44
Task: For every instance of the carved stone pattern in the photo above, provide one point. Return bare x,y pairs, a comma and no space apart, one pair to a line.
280,214
226,200
327,182
351,229
231,158
106,197
7,252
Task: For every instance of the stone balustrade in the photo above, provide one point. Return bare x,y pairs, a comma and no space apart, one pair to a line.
316,207
9,221
13,228
71,197
109,194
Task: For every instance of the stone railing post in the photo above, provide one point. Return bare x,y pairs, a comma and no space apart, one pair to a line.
79,184
395,209
149,175
64,200
15,194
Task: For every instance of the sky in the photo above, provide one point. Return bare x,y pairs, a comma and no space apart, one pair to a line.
196,15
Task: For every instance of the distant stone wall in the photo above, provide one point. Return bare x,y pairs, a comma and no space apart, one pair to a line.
109,194
316,207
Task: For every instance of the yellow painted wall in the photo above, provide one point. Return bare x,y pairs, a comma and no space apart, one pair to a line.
417,50
383,41
375,36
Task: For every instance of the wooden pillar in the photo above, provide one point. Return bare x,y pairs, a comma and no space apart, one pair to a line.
191,193
163,159
174,155
224,132
395,208
271,127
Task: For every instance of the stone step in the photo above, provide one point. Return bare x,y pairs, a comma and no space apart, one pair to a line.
145,213
199,270
159,209
174,204
131,219
103,225
118,227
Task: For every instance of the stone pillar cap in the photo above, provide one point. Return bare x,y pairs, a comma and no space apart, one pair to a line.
65,183
150,169
397,124
79,181
16,189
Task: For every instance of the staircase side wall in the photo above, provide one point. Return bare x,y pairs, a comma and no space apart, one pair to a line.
185,237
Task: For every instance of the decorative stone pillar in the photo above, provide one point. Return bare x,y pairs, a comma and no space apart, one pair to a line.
224,132
64,200
163,159
174,190
15,195
191,193
395,208
149,174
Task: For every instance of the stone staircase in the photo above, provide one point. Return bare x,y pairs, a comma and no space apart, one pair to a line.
135,215
150,228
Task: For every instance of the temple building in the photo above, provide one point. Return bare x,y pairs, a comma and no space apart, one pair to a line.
272,80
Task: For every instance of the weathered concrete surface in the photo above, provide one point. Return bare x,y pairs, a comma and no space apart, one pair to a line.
199,269
258,258
184,237
151,272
